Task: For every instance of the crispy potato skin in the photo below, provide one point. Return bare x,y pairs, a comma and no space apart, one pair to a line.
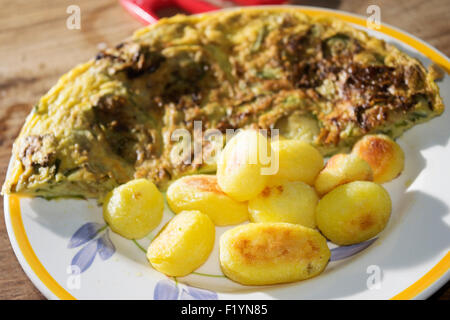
134,209
298,161
202,192
383,154
341,169
270,253
292,202
183,245
353,212
239,167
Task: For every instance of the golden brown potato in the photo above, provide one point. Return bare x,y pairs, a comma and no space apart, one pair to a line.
291,201
239,168
269,253
383,154
341,169
134,208
298,161
201,192
183,245
353,212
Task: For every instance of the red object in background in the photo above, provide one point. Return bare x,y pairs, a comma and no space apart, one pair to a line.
145,10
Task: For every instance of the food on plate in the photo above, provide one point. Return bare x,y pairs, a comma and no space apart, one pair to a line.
298,161
353,212
383,154
134,208
291,201
315,78
341,169
270,253
183,245
240,166
201,192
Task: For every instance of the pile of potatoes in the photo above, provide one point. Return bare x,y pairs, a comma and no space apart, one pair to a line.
292,211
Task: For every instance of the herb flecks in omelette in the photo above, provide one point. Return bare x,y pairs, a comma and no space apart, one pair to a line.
316,79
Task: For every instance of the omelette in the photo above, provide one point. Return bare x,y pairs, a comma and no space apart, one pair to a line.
317,79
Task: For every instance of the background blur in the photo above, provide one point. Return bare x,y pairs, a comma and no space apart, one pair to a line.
36,48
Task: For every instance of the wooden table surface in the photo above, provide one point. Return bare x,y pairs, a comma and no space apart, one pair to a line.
36,48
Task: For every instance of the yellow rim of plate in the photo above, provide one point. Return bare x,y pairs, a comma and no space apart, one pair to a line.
28,253
412,291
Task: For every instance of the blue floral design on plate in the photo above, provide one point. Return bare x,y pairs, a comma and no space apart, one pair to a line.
105,246
166,290
170,290
344,252
94,237
198,294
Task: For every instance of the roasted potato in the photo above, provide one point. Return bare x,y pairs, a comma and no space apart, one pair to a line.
298,161
239,168
269,253
353,212
291,201
201,192
383,154
341,169
183,245
134,208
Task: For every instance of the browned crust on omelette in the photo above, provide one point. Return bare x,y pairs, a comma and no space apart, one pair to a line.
313,78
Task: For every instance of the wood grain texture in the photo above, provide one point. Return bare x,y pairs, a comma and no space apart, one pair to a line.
37,48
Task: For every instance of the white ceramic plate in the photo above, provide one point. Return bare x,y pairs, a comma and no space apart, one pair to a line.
68,252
